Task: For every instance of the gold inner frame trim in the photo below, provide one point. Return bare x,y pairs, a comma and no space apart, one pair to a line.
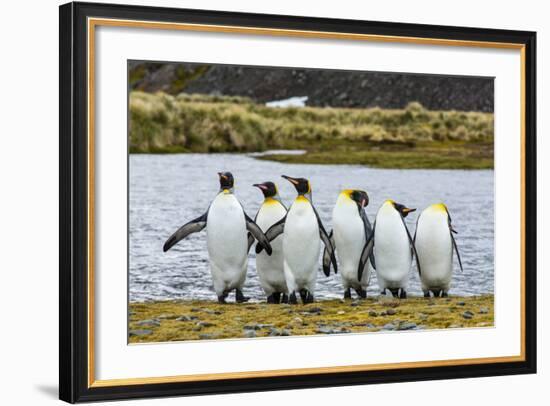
94,22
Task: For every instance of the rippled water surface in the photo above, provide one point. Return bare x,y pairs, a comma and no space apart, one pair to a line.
166,191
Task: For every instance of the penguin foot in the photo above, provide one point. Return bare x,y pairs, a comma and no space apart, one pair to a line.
347,293
362,293
303,295
394,292
402,294
383,292
436,292
444,294
284,298
271,299
277,297
221,298
309,297
292,299
239,297
426,293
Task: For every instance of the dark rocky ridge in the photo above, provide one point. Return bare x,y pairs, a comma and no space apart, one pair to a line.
323,87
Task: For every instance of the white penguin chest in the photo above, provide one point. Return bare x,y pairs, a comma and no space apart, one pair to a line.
391,242
226,229
349,234
301,242
434,246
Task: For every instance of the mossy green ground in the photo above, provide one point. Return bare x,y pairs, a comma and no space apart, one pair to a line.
194,320
412,137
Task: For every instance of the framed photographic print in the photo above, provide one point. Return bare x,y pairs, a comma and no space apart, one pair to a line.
258,202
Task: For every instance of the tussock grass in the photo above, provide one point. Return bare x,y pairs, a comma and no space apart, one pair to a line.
202,123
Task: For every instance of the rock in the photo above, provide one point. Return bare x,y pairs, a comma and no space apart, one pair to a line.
483,310
206,336
455,326
373,313
149,323
383,313
461,303
297,320
406,326
314,310
249,333
285,332
389,326
353,304
166,317
341,312
274,332
422,316
328,330
467,314
205,324
139,332
210,311
186,317
257,326
390,312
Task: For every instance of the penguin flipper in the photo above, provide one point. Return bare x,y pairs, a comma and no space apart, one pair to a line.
250,241
365,254
326,254
413,247
273,232
194,226
369,230
258,234
328,245
451,231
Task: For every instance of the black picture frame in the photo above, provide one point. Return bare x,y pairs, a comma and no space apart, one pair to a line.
73,256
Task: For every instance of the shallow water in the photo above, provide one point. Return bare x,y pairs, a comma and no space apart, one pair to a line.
166,191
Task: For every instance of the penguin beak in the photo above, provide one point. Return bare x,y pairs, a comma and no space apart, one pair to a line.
363,203
406,210
291,180
260,185
222,176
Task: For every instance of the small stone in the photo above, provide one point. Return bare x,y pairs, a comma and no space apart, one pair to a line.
204,324
467,314
422,316
353,304
455,326
389,326
373,313
314,310
210,311
390,312
206,336
166,316
341,312
249,333
284,332
406,326
139,332
461,303
149,323
483,310
186,317
297,320
383,313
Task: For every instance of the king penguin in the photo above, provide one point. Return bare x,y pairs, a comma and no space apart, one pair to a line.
271,267
351,230
434,243
393,249
227,228
302,228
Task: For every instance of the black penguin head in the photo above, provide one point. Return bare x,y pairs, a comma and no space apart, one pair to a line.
402,209
301,184
226,180
269,189
360,197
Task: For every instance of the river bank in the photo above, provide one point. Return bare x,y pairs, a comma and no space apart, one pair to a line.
413,137
160,321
